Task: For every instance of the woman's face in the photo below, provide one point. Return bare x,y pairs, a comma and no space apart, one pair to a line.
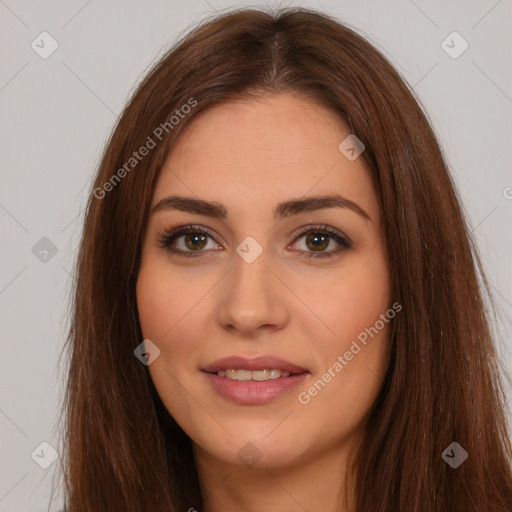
269,270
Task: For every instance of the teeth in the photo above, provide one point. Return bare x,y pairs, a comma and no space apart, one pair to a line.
242,375
258,375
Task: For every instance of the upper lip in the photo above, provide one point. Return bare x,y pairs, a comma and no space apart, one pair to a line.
264,362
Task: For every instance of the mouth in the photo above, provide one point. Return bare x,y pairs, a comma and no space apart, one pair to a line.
253,381
256,375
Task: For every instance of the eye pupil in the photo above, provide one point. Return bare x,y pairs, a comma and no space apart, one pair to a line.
318,240
191,240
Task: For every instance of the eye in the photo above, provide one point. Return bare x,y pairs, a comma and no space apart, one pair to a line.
190,240
318,238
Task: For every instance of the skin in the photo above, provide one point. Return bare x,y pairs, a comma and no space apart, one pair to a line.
250,155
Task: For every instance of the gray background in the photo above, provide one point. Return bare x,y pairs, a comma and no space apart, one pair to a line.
57,113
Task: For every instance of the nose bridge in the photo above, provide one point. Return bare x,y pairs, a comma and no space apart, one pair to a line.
252,296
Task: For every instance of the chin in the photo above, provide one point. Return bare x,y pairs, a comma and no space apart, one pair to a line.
256,450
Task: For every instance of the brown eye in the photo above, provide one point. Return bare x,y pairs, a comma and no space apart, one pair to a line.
195,241
192,240
317,241
186,240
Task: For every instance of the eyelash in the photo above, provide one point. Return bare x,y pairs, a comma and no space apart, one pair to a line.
167,237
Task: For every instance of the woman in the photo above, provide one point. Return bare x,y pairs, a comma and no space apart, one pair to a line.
277,301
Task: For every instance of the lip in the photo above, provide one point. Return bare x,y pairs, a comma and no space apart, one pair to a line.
254,392
264,362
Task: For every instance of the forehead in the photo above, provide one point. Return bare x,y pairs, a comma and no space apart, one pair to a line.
252,152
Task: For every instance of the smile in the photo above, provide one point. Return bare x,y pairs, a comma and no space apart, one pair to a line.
257,375
252,381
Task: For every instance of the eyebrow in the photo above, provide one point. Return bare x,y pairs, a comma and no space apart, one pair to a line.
285,209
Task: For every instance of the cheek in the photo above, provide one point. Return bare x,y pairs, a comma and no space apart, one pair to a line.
165,311
174,311
352,357
155,303
358,304
164,300
348,302
341,397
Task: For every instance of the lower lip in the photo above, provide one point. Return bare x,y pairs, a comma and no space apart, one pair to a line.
251,392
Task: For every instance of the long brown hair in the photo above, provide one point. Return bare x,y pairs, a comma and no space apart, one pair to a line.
122,449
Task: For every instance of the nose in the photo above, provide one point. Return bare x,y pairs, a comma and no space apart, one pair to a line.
252,298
